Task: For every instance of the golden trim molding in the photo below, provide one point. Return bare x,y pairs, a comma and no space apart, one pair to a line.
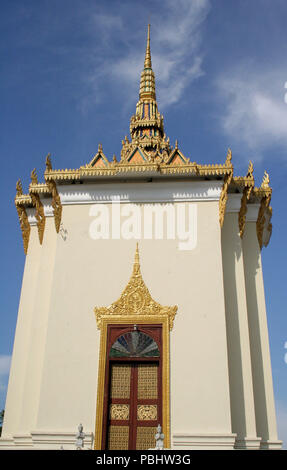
135,306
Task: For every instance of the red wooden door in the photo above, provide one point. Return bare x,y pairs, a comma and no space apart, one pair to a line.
133,398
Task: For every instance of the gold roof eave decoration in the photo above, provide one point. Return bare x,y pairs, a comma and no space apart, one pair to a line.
33,200
136,300
116,168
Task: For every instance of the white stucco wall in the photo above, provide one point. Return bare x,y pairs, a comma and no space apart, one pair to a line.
55,359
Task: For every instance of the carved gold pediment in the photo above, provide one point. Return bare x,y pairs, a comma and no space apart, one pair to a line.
136,300
99,160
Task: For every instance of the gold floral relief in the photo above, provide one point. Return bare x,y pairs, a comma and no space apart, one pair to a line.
121,412
136,299
147,412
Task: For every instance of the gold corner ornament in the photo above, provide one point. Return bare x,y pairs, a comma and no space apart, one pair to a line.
40,216
34,178
245,198
48,162
264,207
56,200
223,196
25,227
136,300
56,204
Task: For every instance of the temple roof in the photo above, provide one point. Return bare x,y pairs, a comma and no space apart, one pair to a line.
148,154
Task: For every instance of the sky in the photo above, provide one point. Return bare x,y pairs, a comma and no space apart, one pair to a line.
69,80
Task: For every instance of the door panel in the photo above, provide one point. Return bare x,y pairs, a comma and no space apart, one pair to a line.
134,405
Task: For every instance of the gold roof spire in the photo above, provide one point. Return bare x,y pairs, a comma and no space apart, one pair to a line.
147,85
147,62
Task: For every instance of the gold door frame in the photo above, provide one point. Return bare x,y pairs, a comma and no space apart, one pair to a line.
135,306
165,372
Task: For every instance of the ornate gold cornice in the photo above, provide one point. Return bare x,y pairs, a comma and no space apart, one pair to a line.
136,300
223,196
115,168
24,200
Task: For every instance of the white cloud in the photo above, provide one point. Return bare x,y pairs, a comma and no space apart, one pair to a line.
5,362
175,41
255,110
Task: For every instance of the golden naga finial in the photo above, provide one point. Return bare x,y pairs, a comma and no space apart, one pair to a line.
265,181
114,159
48,162
176,144
147,62
19,189
34,178
228,157
250,170
100,148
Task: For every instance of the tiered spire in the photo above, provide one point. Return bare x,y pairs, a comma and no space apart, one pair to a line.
147,84
146,126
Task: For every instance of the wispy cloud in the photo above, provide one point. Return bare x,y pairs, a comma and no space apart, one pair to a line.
5,362
176,55
255,111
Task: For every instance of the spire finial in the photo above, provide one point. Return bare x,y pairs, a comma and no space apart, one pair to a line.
136,268
137,256
147,62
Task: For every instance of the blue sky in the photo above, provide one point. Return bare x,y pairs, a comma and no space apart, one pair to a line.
70,73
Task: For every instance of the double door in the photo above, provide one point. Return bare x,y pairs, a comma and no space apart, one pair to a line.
134,404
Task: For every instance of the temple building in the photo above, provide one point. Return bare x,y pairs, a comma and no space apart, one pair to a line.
142,301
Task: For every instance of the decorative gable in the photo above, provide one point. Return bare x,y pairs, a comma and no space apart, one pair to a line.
137,156
177,158
99,160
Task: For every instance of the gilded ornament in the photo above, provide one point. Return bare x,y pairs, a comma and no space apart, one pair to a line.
245,198
265,181
223,196
147,412
48,162
40,216
25,226
136,299
56,204
34,178
119,412
19,189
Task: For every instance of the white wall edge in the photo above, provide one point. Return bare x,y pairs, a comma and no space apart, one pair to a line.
140,192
